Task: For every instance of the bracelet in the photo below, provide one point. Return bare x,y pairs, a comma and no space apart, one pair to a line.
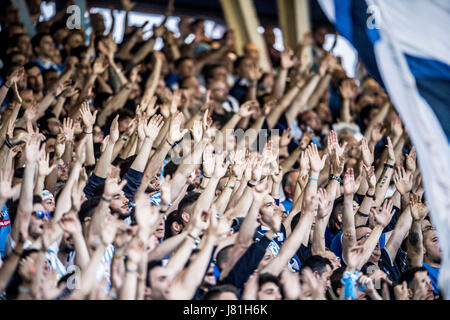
228,186
251,185
195,240
87,132
389,165
106,199
370,196
337,178
202,188
7,85
313,179
8,143
207,177
170,144
362,214
118,256
124,138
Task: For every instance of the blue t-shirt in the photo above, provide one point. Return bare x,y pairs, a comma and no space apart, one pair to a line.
287,205
275,246
336,244
5,229
433,273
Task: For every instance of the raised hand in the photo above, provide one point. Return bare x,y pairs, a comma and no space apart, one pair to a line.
32,149
285,138
70,223
152,128
44,167
60,145
219,226
197,131
337,164
346,88
391,154
325,206
396,126
384,215
134,73
147,215
67,129
87,117
114,130
61,87
377,133
100,65
112,187
248,108
350,186
220,166
333,144
367,154
401,291
419,210
403,182
239,163
166,195
150,105
304,162
354,257
109,229
411,161
287,59
370,176
15,76
306,139
208,163
175,132
269,106
315,162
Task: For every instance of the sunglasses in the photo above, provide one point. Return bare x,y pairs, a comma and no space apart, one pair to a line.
40,214
62,165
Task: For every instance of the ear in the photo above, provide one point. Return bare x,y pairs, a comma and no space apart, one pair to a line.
410,293
176,226
147,291
185,217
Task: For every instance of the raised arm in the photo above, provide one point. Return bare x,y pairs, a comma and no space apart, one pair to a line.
415,238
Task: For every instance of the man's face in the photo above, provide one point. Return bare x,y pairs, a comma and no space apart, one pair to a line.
220,73
193,86
75,40
431,248
27,98
49,204
24,44
269,291
50,78
36,227
311,119
67,244
159,232
53,126
422,282
46,47
244,67
35,80
361,236
324,279
19,58
50,145
219,91
120,204
159,283
124,124
63,171
290,188
186,68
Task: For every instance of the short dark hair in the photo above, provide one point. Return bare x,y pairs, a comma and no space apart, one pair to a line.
181,60
36,40
150,266
336,277
223,255
188,199
316,263
214,291
409,274
268,277
88,207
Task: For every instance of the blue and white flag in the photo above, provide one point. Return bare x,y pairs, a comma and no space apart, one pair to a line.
405,46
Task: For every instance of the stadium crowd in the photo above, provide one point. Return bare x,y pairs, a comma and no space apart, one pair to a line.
191,173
